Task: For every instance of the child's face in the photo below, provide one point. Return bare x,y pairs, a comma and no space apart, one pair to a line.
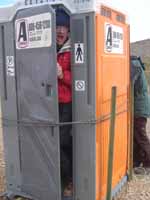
62,33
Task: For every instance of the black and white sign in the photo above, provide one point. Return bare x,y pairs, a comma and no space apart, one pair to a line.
79,85
113,39
73,5
79,53
32,2
10,65
34,32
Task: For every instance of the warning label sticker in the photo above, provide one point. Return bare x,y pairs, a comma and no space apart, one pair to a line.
79,85
113,39
10,65
34,32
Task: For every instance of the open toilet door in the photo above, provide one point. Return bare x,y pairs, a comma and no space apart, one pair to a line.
35,30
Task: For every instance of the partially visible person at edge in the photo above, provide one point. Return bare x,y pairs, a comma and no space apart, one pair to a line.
141,143
65,97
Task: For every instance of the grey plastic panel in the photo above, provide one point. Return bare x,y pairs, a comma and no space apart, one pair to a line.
37,100
83,32
9,108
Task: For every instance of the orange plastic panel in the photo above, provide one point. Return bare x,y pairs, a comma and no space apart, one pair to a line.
112,69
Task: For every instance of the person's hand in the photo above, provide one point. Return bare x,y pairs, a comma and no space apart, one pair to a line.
59,71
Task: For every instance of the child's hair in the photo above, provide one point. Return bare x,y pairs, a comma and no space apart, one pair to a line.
62,18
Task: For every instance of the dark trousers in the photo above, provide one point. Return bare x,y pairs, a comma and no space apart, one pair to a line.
141,147
65,115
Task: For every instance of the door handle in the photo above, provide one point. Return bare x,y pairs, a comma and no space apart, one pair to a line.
49,90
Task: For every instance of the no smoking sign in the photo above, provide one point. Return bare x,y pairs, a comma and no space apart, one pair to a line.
80,85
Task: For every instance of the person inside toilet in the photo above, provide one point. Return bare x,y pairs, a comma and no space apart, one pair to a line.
64,97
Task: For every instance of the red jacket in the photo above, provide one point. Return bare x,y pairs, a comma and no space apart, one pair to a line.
65,85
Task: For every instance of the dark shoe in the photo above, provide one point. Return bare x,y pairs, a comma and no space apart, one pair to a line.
139,171
136,164
142,170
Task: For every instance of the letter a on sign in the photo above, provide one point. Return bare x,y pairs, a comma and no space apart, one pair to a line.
108,37
21,34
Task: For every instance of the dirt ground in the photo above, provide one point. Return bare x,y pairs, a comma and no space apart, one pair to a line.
138,189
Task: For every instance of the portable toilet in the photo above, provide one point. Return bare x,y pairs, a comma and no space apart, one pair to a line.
28,82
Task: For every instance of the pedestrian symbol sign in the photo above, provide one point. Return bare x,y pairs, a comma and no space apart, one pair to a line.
79,53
